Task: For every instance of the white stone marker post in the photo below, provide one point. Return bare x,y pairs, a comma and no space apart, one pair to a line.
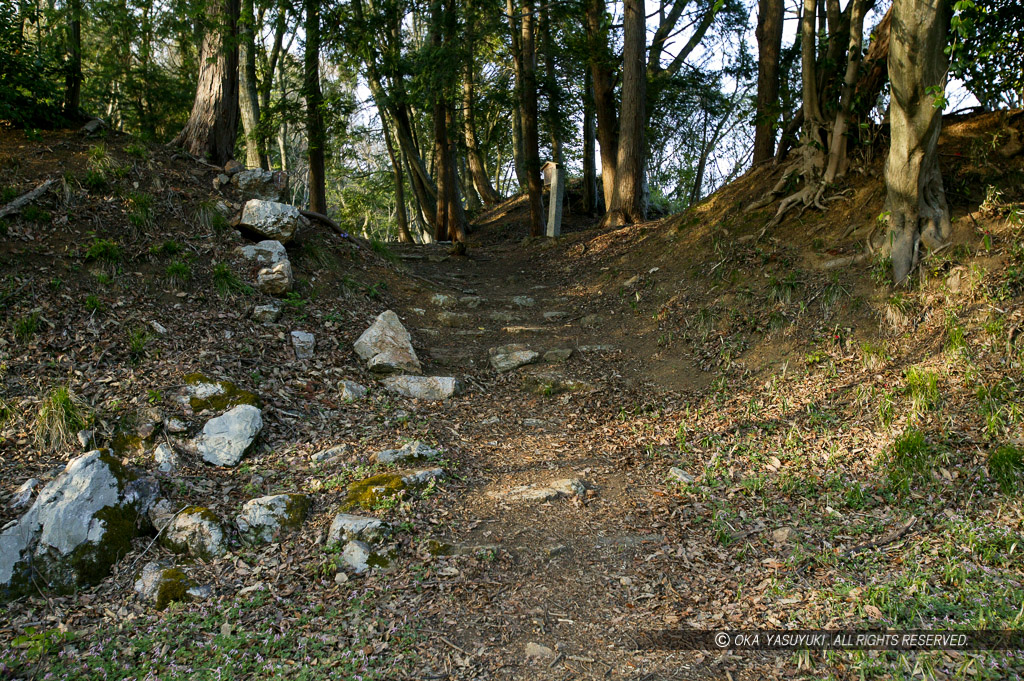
554,226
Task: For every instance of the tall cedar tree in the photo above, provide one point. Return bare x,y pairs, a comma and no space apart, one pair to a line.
314,109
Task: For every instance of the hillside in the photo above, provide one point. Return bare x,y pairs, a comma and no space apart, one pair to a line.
723,427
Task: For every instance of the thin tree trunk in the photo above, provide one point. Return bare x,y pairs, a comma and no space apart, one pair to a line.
396,166
552,92
73,77
589,146
212,126
837,146
518,142
475,159
531,142
769,45
601,67
315,137
918,213
451,218
248,97
629,199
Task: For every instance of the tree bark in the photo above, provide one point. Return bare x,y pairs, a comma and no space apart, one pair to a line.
518,146
601,67
401,216
918,213
629,200
769,45
451,218
248,96
837,159
73,77
553,94
212,127
589,146
531,140
474,157
315,138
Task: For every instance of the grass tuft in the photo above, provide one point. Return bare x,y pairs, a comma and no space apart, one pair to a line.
1006,467
227,282
61,415
908,462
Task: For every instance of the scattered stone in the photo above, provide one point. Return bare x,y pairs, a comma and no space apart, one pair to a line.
221,180
23,494
263,184
557,550
276,280
85,438
408,452
166,459
523,329
330,454
420,478
424,387
386,346
554,315
348,527
200,593
598,348
371,491
226,439
557,489
523,301
590,320
351,391
472,302
558,355
233,167
534,423
271,220
267,313
161,584
304,343
93,127
262,520
268,252
491,421
538,653
175,426
79,526
449,319
504,317
508,357
161,513
360,557
680,476
158,327
197,532
785,535
443,300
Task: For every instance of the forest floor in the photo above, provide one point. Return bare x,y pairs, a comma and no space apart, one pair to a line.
852,453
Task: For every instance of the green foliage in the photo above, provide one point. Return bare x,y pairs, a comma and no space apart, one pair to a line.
227,282
95,181
923,388
138,339
35,214
167,248
61,415
93,304
985,49
211,219
105,251
1006,467
178,273
30,95
140,209
383,250
908,462
26,327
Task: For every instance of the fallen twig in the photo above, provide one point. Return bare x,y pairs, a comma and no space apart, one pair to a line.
17,204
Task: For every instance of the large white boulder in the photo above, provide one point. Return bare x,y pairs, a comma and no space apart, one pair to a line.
268,252
263,184
387,347
272,220
79,526
347,527
262,520
226,438
276,280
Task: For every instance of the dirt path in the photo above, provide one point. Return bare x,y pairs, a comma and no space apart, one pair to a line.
583,575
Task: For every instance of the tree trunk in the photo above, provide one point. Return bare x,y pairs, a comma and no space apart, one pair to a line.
212,127
518,144
918,213
475,159
769,44
451,218
553,114
315,138
601,67
629,200
837,160
589,146
531,141
73,77
401,216
248,96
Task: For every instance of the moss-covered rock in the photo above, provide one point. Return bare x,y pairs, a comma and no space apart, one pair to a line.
80,525
162,584
196,531
370,492
264,519
206,394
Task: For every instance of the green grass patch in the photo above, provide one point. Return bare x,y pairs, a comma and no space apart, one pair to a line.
25,327
908,462
168,248
140,209
61,415
93,304
210,218
178,273
105,251
1006,467
923,389
227,282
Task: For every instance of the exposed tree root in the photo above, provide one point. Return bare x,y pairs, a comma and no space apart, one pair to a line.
17,204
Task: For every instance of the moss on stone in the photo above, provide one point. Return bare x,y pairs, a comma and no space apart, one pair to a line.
296,510
173,586
371,491
437,548
124,444
183,547
230,396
